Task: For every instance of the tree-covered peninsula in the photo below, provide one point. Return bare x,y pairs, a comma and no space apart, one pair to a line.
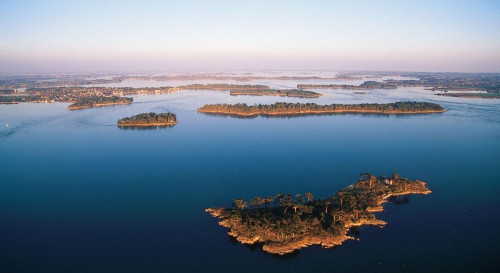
282,108
89,102
285,223
148,120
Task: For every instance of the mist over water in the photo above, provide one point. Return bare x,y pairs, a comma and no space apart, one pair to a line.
78,194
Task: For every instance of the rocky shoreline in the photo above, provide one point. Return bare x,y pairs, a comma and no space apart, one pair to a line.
293,232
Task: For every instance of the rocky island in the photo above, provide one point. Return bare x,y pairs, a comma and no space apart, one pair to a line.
284,223
282,108
90,102
276,92
148,120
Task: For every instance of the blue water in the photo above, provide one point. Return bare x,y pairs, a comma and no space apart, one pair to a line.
78,194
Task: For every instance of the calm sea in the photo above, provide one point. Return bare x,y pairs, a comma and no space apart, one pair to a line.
78,194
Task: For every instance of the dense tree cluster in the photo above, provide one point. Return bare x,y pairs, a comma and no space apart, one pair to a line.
18,99
99,101
305,108
368,85
149,118
276,92
7,91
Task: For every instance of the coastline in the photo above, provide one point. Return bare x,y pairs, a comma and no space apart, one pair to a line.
96,105
321,112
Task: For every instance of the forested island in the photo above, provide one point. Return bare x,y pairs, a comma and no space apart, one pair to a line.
285,223
368,85
90,102
276,92
148,120
488,95
282,108
223,86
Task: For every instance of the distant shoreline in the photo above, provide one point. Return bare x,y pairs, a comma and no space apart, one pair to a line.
472,95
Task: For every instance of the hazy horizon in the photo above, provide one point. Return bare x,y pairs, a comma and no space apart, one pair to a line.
153,36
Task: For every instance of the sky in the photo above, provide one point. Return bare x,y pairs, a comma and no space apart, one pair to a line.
227,35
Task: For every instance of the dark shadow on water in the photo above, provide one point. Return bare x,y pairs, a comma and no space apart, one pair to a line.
145,128
399,200
252,248
232,240
258,247
289,256
354,231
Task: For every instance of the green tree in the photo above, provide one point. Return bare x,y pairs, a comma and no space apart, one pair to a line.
327,203
297,202
239,204
309,197
267,201
279,199
287,202
256,202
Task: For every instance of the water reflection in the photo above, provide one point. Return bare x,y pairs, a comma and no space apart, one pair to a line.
145,128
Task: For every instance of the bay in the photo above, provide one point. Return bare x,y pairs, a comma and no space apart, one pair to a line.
78,194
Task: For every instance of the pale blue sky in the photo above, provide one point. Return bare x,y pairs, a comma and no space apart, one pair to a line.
158,36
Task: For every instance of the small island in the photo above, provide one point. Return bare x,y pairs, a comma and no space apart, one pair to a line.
368,85
282,108
148,120
284,223
276,92
91,102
